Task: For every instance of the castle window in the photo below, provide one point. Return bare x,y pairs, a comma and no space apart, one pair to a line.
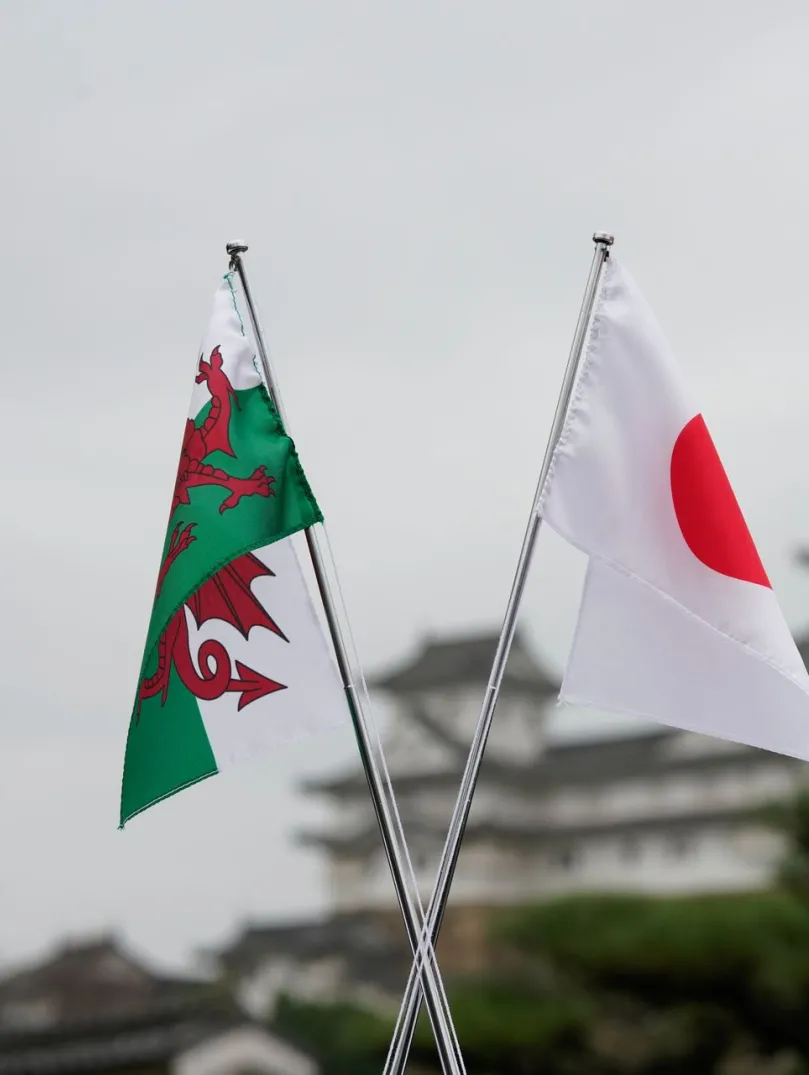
680,845
565,858
630,849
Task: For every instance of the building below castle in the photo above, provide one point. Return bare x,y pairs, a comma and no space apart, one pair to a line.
92,1008
656,810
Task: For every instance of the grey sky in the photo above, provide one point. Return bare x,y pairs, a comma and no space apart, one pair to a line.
418,183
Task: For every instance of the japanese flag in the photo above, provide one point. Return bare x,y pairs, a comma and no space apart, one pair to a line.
678,621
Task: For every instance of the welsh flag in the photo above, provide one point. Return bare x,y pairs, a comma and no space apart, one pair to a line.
235,659
678,620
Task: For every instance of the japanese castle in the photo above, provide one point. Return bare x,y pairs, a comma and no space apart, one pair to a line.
651,809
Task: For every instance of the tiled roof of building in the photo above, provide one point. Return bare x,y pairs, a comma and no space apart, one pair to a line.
372,954
147,1039
467,660
306,940
96,976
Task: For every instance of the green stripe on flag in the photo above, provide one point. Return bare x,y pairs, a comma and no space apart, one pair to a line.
167,750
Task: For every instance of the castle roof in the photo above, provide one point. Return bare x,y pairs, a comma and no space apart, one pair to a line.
541,833
598,761
467,660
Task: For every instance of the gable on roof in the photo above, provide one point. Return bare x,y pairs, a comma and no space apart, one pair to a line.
468,660
80,979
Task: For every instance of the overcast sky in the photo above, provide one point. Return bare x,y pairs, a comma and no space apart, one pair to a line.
419,183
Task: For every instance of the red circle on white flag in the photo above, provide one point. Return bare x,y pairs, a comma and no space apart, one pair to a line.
709,515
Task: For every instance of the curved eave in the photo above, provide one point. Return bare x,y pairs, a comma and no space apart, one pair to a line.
527,834
522,835
600,764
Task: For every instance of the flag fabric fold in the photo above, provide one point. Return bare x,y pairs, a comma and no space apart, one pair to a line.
235,660
678,621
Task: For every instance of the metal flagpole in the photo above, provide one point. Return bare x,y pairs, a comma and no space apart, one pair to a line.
408,1014
445,1039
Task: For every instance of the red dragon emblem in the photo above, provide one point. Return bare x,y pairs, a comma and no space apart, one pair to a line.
228,595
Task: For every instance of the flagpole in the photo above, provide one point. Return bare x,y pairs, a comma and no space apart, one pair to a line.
446,1041
408,1013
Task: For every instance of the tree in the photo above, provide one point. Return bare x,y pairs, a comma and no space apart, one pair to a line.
791,819
700,977
343,1038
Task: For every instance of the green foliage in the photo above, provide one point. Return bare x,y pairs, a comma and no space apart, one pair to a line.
751,947
726,967
343,1038
510,1026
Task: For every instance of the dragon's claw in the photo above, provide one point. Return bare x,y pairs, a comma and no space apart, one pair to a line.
181,538
258,484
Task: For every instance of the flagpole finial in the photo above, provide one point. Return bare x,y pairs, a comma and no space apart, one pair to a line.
604,238
233,250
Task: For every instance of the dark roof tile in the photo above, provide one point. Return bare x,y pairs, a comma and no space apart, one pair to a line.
144,1039
467,660
309,939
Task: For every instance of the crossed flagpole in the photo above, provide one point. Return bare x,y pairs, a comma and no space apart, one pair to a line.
422,928
408,1013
